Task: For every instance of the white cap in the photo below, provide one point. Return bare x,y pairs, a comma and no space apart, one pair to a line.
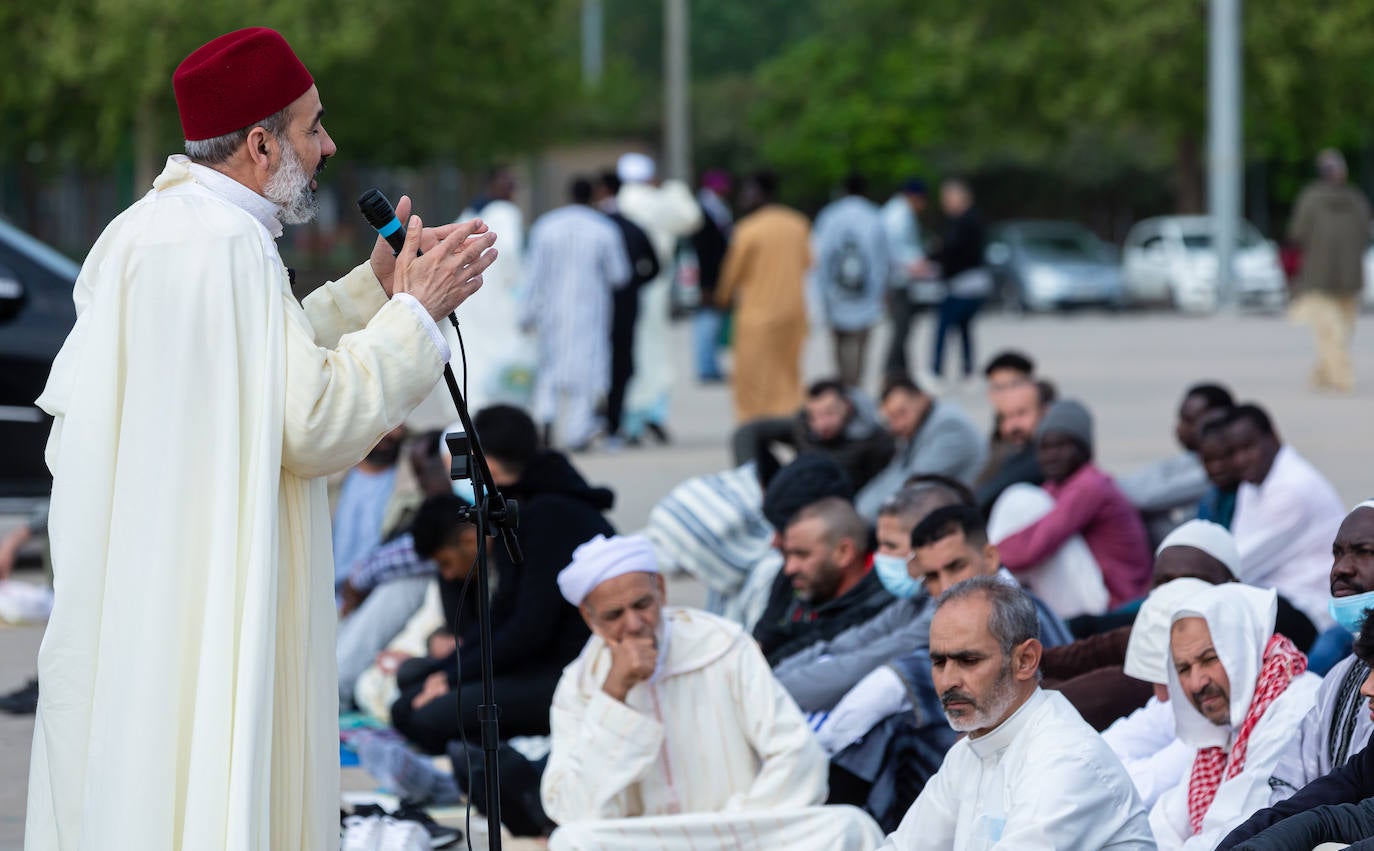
1209,537
635,168
604,558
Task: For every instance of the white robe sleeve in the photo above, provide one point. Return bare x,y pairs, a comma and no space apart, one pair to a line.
344,390
345,305
1169,816
1068,803
601,748
930,823
792,772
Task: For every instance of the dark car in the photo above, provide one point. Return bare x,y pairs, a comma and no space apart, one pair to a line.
36,314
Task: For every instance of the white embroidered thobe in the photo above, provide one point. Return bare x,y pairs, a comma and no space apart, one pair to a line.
188,679
711,753
1041,781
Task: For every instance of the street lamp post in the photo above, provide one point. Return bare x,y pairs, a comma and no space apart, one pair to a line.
1225,155
677,131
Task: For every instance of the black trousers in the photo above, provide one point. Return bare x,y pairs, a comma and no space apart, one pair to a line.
524,700
904,312
624,315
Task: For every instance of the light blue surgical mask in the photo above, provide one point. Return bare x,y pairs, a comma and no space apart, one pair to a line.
893,574
1349,611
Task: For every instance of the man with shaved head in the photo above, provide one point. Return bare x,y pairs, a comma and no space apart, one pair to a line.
825,551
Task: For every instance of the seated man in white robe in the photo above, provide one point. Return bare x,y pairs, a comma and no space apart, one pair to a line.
1239,692
669,731
1031,774
1145,740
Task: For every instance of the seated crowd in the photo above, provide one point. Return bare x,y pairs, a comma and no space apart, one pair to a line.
914,636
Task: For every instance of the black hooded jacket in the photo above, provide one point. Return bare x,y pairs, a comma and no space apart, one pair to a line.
533,628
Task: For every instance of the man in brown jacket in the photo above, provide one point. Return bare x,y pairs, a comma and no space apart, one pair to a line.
1331,224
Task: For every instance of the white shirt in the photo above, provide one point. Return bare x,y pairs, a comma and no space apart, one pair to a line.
1153,755
1284,528
1043,780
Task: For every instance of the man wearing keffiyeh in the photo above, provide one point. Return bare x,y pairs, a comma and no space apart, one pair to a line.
1238,691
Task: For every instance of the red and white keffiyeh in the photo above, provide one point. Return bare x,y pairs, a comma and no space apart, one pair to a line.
1282,663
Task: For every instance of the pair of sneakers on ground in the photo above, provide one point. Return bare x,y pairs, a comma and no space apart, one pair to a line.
409,828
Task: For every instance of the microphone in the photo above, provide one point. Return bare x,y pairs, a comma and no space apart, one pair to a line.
382,216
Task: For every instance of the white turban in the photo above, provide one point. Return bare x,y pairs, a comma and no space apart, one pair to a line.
635,168
1209,537
604,558
1368,503
1147,651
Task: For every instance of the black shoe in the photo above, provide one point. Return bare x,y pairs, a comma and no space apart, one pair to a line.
659,433
439,836
24,701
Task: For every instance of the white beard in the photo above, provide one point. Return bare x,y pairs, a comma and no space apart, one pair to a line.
987,714
289,188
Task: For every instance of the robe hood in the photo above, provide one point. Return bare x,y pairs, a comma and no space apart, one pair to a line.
694,640
1241,620
1147,650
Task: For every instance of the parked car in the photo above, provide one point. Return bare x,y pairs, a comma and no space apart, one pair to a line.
36,314
1170,259
1042,265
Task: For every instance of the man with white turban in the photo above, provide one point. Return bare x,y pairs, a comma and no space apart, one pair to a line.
665,213
1238,691
670,732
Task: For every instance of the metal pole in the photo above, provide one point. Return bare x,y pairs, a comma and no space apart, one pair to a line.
592,62
1225,156
677,130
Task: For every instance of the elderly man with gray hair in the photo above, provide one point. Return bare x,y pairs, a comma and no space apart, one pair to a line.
1331,225
1030,773
670,732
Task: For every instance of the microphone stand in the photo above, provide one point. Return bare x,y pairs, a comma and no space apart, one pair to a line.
490,511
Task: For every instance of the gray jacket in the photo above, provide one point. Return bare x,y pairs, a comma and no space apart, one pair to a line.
947,443
824,672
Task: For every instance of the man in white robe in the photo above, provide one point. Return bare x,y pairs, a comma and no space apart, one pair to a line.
669,731
189,695
576,259
1031,774
666,213
1239,693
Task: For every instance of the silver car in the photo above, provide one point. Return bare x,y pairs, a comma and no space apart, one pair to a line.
1171,259
1043,265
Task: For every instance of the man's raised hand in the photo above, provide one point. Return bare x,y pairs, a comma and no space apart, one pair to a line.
449,271
633,660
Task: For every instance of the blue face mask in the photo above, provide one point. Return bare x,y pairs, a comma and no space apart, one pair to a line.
1349,611
893,574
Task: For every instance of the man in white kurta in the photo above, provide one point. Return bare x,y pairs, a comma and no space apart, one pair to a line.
669,731
1031,775
1239,694
576,259
188,680
666,214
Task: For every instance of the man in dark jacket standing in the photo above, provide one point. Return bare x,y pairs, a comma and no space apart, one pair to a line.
1331,225
535,633
967,281
709,243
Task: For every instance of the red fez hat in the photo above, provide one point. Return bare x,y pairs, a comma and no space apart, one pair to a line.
237,79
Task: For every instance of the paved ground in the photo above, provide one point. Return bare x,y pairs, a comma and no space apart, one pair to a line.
1129,368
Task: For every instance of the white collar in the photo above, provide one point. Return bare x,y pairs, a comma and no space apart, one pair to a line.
266,212
1000,738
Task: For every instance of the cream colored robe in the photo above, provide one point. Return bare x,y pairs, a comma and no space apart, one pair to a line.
189,693
712,753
